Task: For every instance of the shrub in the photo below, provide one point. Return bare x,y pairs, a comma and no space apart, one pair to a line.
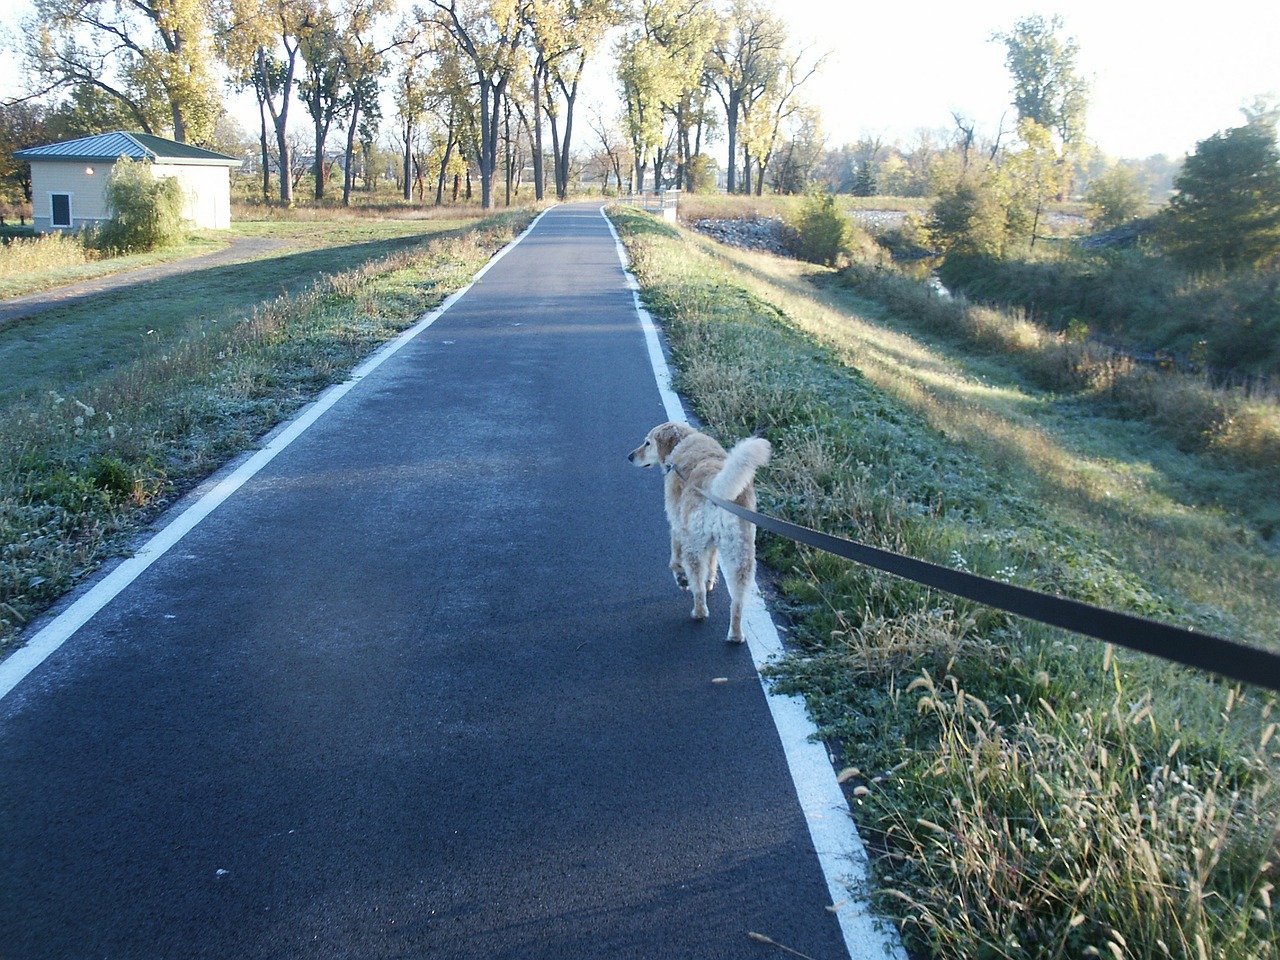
968,220
821,230
146,211
1114,198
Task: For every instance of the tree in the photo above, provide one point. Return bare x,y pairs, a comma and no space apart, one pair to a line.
778,105
261,41
489,34
644,84
967,219
1226,211
438,127
613,147
800,155
661,59
154,56
322,86
87,111
565,34
1047,87
864,181
821,230
363,64
744,64
22,125
1028,179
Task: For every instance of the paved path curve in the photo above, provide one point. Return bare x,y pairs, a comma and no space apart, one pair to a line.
420,687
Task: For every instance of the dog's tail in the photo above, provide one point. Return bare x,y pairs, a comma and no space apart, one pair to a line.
746,457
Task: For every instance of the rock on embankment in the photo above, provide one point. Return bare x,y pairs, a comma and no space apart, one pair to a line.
756,233
771,234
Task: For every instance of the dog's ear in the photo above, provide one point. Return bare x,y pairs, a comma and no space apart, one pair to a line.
666,436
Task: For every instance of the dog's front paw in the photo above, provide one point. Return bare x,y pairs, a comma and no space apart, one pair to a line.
735,638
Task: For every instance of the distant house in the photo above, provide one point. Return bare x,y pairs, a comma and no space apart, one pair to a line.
68,180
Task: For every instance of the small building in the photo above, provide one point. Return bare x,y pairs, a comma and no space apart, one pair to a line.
68,180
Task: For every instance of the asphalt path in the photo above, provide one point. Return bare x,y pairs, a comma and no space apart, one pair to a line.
422,686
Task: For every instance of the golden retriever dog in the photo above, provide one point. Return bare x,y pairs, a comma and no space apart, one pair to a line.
701,532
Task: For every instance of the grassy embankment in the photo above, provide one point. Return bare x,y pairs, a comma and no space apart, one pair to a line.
1031,794
110,410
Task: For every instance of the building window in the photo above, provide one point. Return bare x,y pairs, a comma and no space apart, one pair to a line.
61,209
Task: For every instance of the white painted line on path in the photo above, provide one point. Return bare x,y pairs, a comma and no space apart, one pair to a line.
835,838
14,669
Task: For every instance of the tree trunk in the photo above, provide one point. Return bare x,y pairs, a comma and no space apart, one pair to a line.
266,152
539,176
281,122
731,120
286,162
348,173
408,155
564,154
444,170
321,169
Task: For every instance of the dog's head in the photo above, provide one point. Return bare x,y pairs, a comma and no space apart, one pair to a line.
658,444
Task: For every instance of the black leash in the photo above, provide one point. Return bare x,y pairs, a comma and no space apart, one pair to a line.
1227,658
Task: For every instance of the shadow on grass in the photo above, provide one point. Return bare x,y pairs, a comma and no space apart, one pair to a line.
62,347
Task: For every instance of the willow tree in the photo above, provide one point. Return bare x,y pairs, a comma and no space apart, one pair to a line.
154,56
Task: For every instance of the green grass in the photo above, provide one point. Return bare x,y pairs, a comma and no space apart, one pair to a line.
30,265
111,409
1029,793
50,350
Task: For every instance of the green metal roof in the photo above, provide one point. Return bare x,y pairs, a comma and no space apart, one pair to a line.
106,147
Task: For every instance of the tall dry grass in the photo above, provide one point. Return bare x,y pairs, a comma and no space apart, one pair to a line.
48,251
1080,831
1241,424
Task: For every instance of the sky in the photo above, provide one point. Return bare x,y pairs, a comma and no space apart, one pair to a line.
1163,77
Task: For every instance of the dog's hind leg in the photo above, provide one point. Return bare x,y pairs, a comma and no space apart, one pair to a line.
713,569
738,576
696,575
677,564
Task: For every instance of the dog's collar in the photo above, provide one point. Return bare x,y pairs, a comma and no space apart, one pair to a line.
668,467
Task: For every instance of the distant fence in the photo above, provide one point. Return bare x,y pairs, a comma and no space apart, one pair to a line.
665,203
